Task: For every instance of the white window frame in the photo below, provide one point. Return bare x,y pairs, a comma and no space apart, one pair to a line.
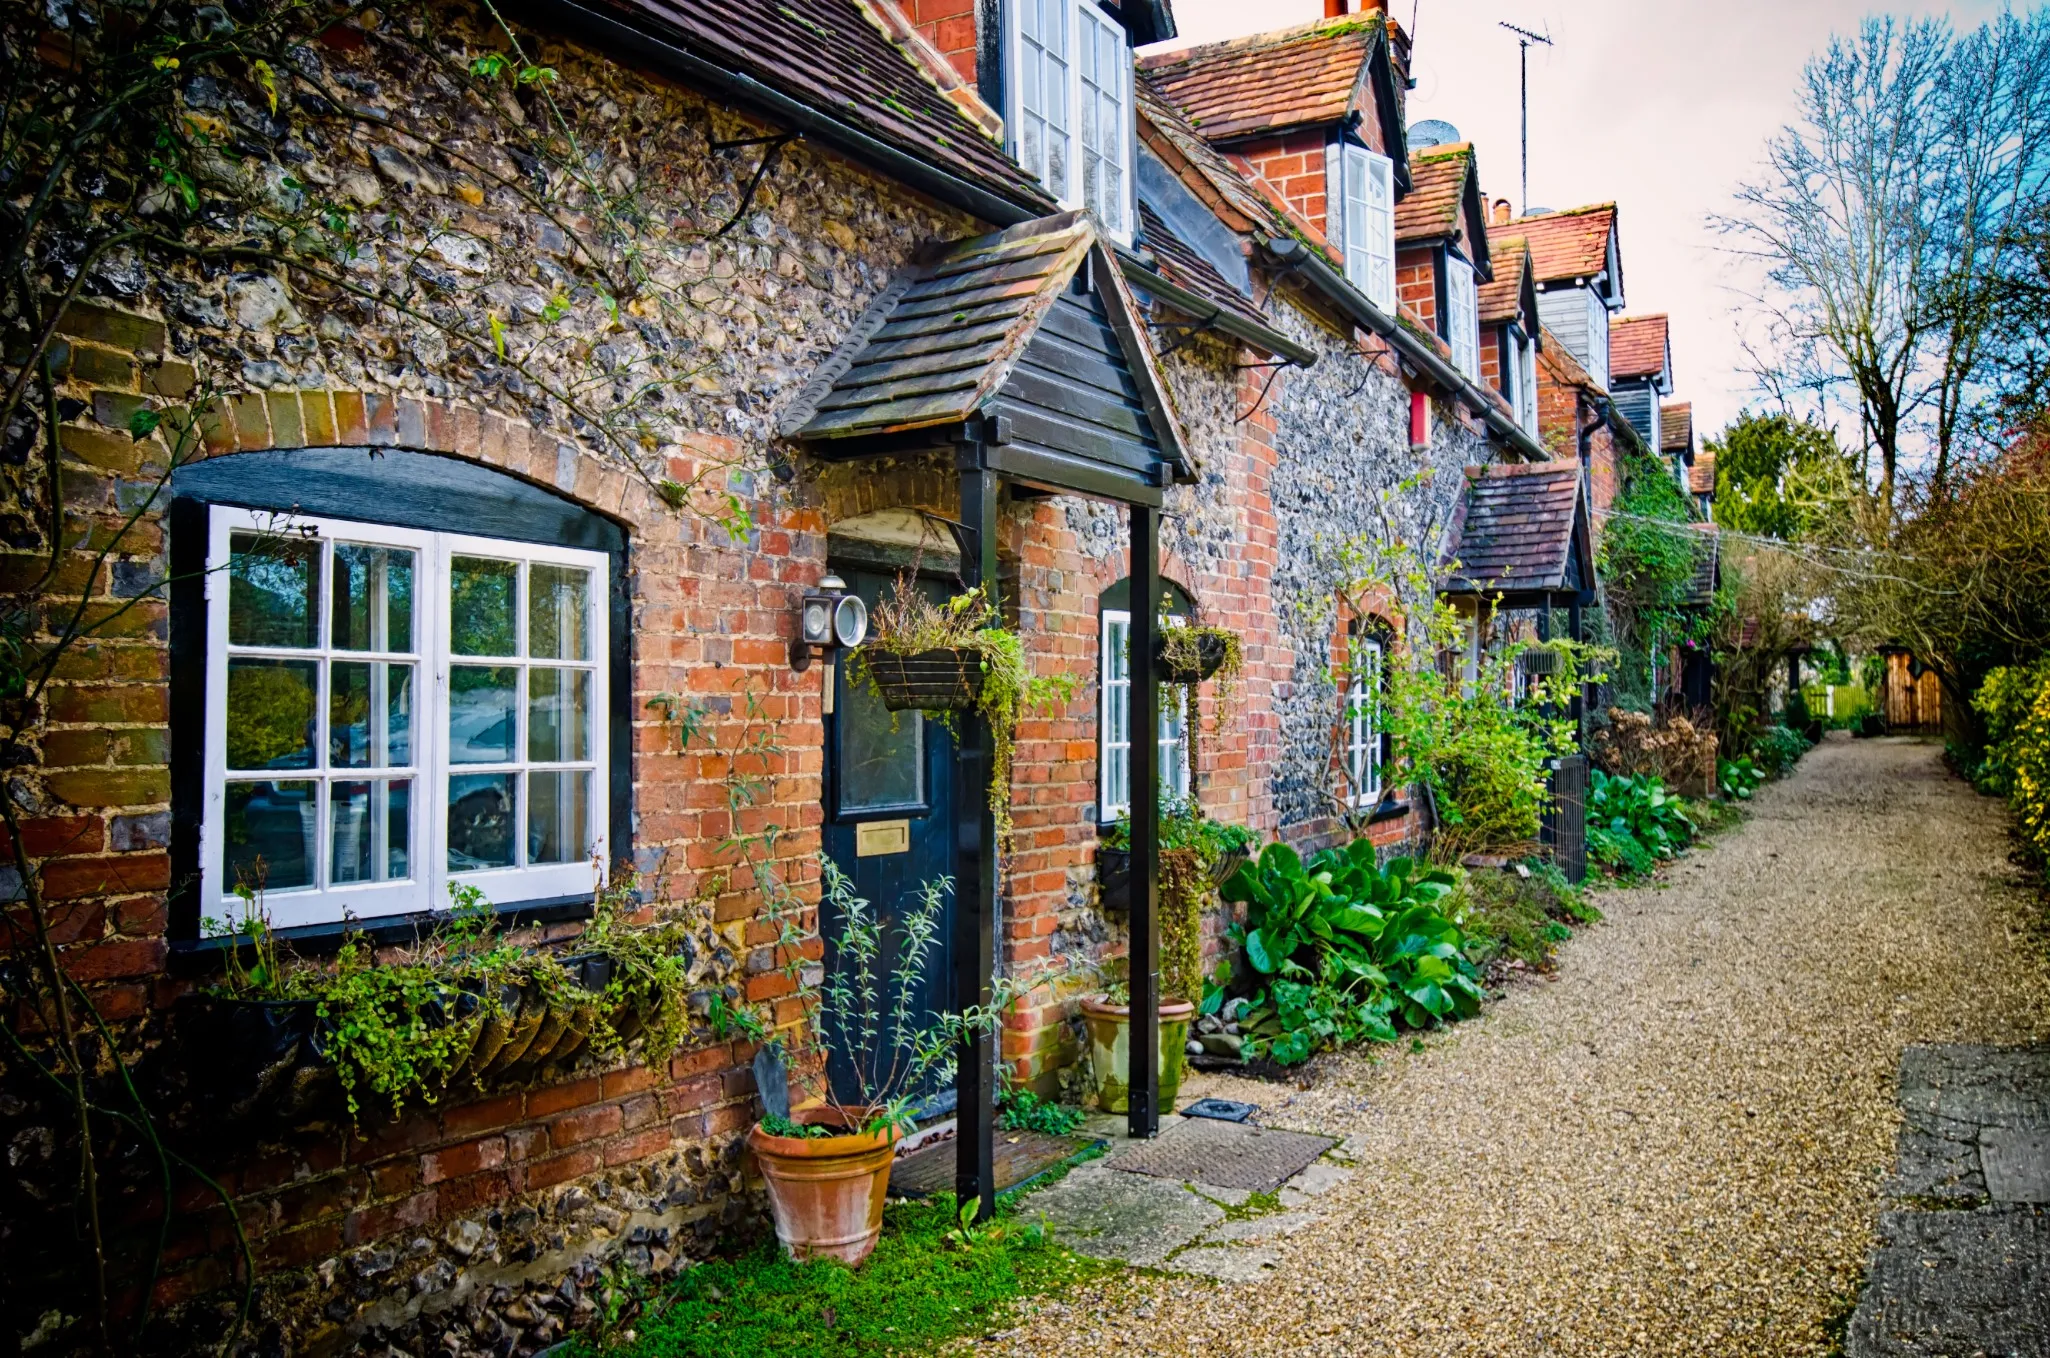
1462,315
1597,338
1063,104
1362,722
428,886
1526,358
1114,695
1369,180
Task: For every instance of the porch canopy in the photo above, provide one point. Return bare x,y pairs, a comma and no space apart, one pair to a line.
1521,539
1024,354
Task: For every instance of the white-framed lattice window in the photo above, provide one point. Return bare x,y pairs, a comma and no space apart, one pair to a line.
1370,225
1527,386
1363,753
1597,338
1114,725
1071,121
389,711
1462,316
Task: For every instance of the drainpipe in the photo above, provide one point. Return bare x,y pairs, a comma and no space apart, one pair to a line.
1299,258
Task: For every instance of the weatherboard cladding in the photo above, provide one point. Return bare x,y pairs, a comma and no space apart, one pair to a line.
827,55
1514,532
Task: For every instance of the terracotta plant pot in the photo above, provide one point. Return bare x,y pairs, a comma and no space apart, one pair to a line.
826,1192
1110,1049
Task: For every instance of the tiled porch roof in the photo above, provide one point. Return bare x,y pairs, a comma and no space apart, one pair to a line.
828,55
1517,530
1676,427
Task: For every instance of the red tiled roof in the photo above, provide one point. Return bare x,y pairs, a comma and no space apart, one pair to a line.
1701,476
1437,179
827,55
1638,346
1269,81
1571,244
1230,183
1676,427
1502,299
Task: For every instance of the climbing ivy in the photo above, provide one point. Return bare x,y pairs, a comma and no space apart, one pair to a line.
1649,554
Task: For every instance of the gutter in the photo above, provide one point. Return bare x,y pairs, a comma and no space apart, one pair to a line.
1210,314
1299,258
668,56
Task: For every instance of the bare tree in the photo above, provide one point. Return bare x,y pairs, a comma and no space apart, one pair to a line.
1887,223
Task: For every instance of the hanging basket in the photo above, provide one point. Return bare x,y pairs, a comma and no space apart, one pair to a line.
1539,662
1225,865
1210,656
929,681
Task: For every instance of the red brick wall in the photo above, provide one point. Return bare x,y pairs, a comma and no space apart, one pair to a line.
1294,164
1494,345
949,25
1416,284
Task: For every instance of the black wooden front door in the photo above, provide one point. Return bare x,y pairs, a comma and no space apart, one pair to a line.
890,828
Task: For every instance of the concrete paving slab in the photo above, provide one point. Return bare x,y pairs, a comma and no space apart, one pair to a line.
2017,1164
1957,1285
1100,1212
1237,1265
1273,1226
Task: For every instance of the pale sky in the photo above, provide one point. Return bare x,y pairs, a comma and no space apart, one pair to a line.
1664,107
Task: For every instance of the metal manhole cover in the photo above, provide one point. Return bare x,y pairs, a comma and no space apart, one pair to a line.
1225,1155
1020,1157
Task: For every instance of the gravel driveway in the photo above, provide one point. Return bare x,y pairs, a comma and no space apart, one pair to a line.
1674,1146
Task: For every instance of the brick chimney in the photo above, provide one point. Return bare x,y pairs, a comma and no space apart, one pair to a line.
1336,8
1503,216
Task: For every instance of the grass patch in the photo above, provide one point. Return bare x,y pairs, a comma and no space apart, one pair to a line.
921,1288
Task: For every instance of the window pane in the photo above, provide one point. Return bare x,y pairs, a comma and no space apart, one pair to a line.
269,844
482,813
271,713
882,753
369,715
273,590
373,603
558,715
483,714
371,831
558,613
558,814
484,606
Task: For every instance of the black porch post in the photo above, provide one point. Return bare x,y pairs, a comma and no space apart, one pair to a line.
975,877
1143,1077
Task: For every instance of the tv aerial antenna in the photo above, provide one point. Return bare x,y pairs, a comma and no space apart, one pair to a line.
1524,38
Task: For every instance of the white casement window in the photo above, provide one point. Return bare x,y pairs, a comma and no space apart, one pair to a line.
1462,316
1527,386
1597,339
1363,723
1114,726
1071,116
1370,225
391,711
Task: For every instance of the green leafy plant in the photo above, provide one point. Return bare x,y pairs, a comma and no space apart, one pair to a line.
1192,847
1778,749
909,622
1181,647
775,1124
1740,777
2017,764
1025,1111
1634,821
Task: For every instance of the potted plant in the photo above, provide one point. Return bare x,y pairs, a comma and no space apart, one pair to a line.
1108,1017
827,1166
1185,654
1184,827
956,656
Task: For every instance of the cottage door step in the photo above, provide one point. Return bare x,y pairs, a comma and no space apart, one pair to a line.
889,826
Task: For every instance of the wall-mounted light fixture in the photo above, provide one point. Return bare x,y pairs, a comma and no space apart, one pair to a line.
829,620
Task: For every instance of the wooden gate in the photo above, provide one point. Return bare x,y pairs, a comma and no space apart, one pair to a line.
1914,698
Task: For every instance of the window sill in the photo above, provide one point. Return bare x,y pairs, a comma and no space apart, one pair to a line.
1389,809
197,955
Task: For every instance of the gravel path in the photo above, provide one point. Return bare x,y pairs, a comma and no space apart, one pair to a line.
1673,1147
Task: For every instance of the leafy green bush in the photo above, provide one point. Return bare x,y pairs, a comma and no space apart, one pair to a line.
1778,749
2004,700
1633,822
1519,915
1739,778
1025,1111
1342,948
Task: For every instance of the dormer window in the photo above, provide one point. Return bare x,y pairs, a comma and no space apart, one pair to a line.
1462,316
1597,338
1070,114
1370,225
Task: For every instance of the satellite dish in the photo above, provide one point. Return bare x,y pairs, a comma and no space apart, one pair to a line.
1433,132
1539,211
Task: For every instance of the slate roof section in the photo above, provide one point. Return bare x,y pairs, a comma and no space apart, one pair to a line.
1268,82
1502,298
1181,265
943,340
827,55
1639,347
1520,529
1569,245
1676,428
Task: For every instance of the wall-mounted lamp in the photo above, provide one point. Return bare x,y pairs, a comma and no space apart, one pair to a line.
829,620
